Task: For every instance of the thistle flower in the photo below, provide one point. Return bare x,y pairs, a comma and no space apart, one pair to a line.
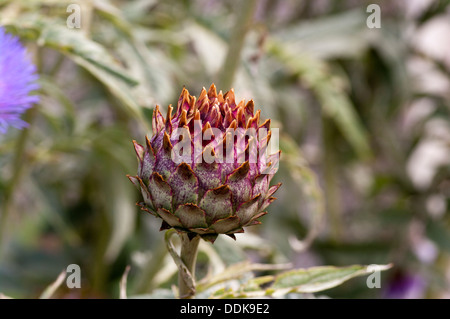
205,170
17,80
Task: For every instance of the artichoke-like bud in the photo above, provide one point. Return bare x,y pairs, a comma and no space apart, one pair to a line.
206,170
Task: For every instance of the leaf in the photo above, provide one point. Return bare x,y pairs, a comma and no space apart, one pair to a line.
343,35
74,43
236,271
308,280
208,45
328,90
150,67
123,283
308,182
256,283
52,212
116,88
118,197
85,52
229,252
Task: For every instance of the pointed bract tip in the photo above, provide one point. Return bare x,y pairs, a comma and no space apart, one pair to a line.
139,149
232,236
192,235
169,113
167,145
240,172
250,107
210,237
164,226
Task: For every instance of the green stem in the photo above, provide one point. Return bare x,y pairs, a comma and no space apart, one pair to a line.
87,12
100,268
189,249
233,58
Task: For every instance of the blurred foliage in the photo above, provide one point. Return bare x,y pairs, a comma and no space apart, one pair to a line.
365,134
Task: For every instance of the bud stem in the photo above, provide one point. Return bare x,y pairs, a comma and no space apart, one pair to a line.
189,249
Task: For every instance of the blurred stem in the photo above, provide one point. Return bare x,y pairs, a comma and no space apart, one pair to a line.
189,250
87,13
18,164
387,139
100,269
331,177
55,68
233,58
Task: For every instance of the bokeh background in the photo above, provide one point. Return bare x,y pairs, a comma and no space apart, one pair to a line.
364,130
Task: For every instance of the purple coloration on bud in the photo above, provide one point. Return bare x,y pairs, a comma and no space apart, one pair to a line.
206,171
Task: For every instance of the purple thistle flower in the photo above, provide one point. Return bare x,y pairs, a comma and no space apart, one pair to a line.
17,79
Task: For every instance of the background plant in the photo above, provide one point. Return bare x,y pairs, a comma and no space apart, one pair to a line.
364,115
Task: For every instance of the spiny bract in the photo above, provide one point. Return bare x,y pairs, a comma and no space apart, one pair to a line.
202,197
